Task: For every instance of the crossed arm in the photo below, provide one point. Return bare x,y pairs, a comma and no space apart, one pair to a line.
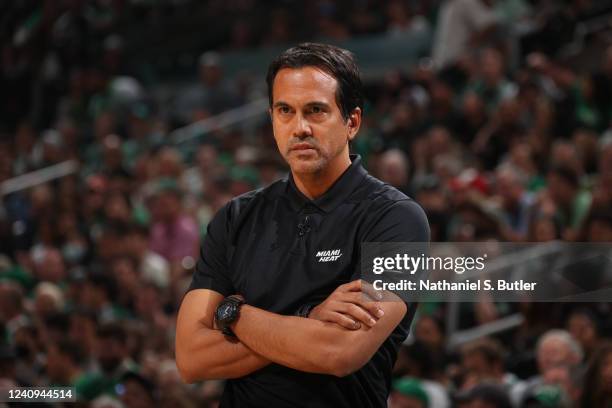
325,346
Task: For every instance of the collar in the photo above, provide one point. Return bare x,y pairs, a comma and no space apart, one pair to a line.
335,195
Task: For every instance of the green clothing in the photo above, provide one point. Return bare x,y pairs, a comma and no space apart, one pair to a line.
579,209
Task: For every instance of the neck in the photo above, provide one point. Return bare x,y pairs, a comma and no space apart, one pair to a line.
314,185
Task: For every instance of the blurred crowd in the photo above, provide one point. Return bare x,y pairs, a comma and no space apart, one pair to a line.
495,135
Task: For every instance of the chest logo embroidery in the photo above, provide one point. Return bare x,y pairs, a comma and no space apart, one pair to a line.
329,255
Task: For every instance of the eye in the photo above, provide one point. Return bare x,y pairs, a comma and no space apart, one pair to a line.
284,109
316,110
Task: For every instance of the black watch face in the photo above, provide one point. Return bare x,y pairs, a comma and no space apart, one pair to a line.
226,311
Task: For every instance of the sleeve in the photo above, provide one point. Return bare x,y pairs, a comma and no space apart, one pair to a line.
212,269
401,228
404,221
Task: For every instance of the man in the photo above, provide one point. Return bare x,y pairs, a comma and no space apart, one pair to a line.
557,354
463,24
482,360
174,235
302,334
516,202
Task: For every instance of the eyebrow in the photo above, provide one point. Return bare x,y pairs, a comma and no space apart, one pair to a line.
308,105
317,103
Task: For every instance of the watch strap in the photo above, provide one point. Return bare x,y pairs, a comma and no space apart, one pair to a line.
238,301
304,310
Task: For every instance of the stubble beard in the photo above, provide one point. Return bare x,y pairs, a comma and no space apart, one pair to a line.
310,166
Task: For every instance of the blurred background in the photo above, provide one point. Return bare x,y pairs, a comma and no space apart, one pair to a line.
126,124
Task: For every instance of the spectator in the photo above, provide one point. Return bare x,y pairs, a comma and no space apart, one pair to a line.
598,379
490,84
112,362
516,203
401,20
583,326
484,395
394,169
570,202
602,190
598,226
49,299
12,310
556,348
212,95
173,234
152,266
137,391
462,24
483,361
97,297
63,365
408,393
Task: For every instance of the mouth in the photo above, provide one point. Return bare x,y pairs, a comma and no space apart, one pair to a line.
302,147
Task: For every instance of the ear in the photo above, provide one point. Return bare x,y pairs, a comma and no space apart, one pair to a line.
354,123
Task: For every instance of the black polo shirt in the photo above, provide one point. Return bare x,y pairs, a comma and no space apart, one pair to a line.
281,250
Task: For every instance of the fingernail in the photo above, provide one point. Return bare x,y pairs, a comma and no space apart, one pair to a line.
380,313
372,322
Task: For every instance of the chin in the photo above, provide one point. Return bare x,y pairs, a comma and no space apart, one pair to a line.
305,166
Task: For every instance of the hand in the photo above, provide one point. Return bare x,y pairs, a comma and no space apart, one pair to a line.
349,306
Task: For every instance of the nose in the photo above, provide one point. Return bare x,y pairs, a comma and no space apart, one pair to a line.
302,127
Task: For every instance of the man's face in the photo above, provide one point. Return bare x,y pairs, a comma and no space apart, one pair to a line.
554,353
308,126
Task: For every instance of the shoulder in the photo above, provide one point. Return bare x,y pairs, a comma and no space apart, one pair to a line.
381,196
239,204
231,215
390,209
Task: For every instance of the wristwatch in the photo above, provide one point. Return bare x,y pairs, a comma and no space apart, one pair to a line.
228,312
304,310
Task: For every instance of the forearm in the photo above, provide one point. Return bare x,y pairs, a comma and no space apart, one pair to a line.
209,355
303,344
203,352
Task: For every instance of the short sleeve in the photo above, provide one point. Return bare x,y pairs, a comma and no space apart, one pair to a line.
212,269
401,222
404,221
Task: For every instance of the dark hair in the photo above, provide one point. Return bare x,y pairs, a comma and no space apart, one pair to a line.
337,62
489,348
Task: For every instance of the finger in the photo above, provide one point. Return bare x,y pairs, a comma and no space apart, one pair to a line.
359,314
357,298
343,320
369,291
353,286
